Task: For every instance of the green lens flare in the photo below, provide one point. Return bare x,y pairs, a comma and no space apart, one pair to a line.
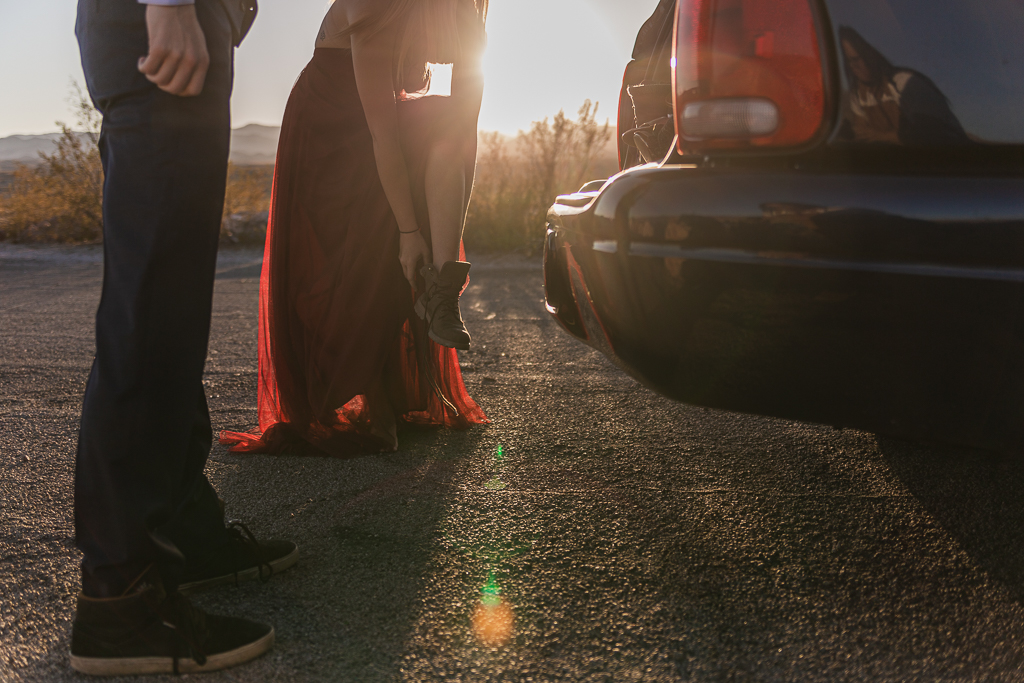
490,594
496,484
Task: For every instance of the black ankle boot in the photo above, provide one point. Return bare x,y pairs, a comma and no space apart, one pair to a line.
150,631
439,304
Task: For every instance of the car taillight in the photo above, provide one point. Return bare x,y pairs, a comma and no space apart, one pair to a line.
747,74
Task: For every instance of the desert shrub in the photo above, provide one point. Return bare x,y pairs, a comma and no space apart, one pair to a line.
60,199
518,178
246,205
248,189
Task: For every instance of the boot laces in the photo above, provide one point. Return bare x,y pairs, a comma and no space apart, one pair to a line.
187,621
447,310
241,532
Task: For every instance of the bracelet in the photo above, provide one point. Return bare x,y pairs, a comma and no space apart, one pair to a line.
408,232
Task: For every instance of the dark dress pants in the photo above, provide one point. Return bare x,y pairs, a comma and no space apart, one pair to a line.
141,496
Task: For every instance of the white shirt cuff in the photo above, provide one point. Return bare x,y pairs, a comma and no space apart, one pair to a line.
167,2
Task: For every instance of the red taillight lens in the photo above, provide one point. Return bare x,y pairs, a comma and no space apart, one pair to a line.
747,73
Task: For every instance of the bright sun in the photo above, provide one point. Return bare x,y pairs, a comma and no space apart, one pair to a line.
440,79
546,55
542,56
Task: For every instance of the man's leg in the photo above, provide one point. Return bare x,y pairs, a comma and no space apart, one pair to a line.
145,432
198,523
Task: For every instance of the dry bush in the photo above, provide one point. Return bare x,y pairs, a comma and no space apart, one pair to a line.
248,189
518,178
60,199
246,204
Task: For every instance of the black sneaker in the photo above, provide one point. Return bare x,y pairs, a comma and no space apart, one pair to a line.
438,306
148,631
242,558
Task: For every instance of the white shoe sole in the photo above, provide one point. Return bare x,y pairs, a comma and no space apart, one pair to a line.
133,666
251,574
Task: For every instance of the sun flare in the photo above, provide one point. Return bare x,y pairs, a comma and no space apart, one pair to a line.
543,56
440,79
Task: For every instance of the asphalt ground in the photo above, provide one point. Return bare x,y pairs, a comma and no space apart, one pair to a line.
594,531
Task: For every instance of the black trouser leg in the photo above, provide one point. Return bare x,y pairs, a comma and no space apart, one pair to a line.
145,434
197,526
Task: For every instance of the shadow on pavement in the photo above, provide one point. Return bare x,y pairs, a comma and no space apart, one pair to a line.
367,529
382,540
975,496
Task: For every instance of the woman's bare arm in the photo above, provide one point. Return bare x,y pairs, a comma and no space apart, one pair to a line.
372,59
335,21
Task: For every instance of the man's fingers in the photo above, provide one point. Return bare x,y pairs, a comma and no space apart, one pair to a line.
181,82
195,84
182,75
180,79
151,63
178,60
191,73
168,71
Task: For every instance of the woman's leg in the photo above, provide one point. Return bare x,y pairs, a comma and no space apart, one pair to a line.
448,181
446,188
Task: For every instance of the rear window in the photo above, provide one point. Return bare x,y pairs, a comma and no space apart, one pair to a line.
956,66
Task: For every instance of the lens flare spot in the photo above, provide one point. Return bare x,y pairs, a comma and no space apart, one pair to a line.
493,620
495,483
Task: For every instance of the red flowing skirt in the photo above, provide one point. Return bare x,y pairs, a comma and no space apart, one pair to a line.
336,313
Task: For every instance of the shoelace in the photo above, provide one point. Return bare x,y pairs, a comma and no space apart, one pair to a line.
188,622
242,533
448,307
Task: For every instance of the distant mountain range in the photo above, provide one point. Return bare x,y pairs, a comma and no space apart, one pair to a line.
24,149
254,144
250,145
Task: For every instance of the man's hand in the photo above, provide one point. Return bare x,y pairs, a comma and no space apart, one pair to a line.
177,59
413,252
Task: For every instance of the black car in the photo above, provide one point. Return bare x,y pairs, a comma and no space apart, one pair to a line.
820,216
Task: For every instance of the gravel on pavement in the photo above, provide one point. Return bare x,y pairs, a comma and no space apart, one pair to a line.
594,531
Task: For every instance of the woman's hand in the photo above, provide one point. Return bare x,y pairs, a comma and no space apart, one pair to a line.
412,251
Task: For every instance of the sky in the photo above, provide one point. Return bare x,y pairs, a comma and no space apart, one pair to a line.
542,56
